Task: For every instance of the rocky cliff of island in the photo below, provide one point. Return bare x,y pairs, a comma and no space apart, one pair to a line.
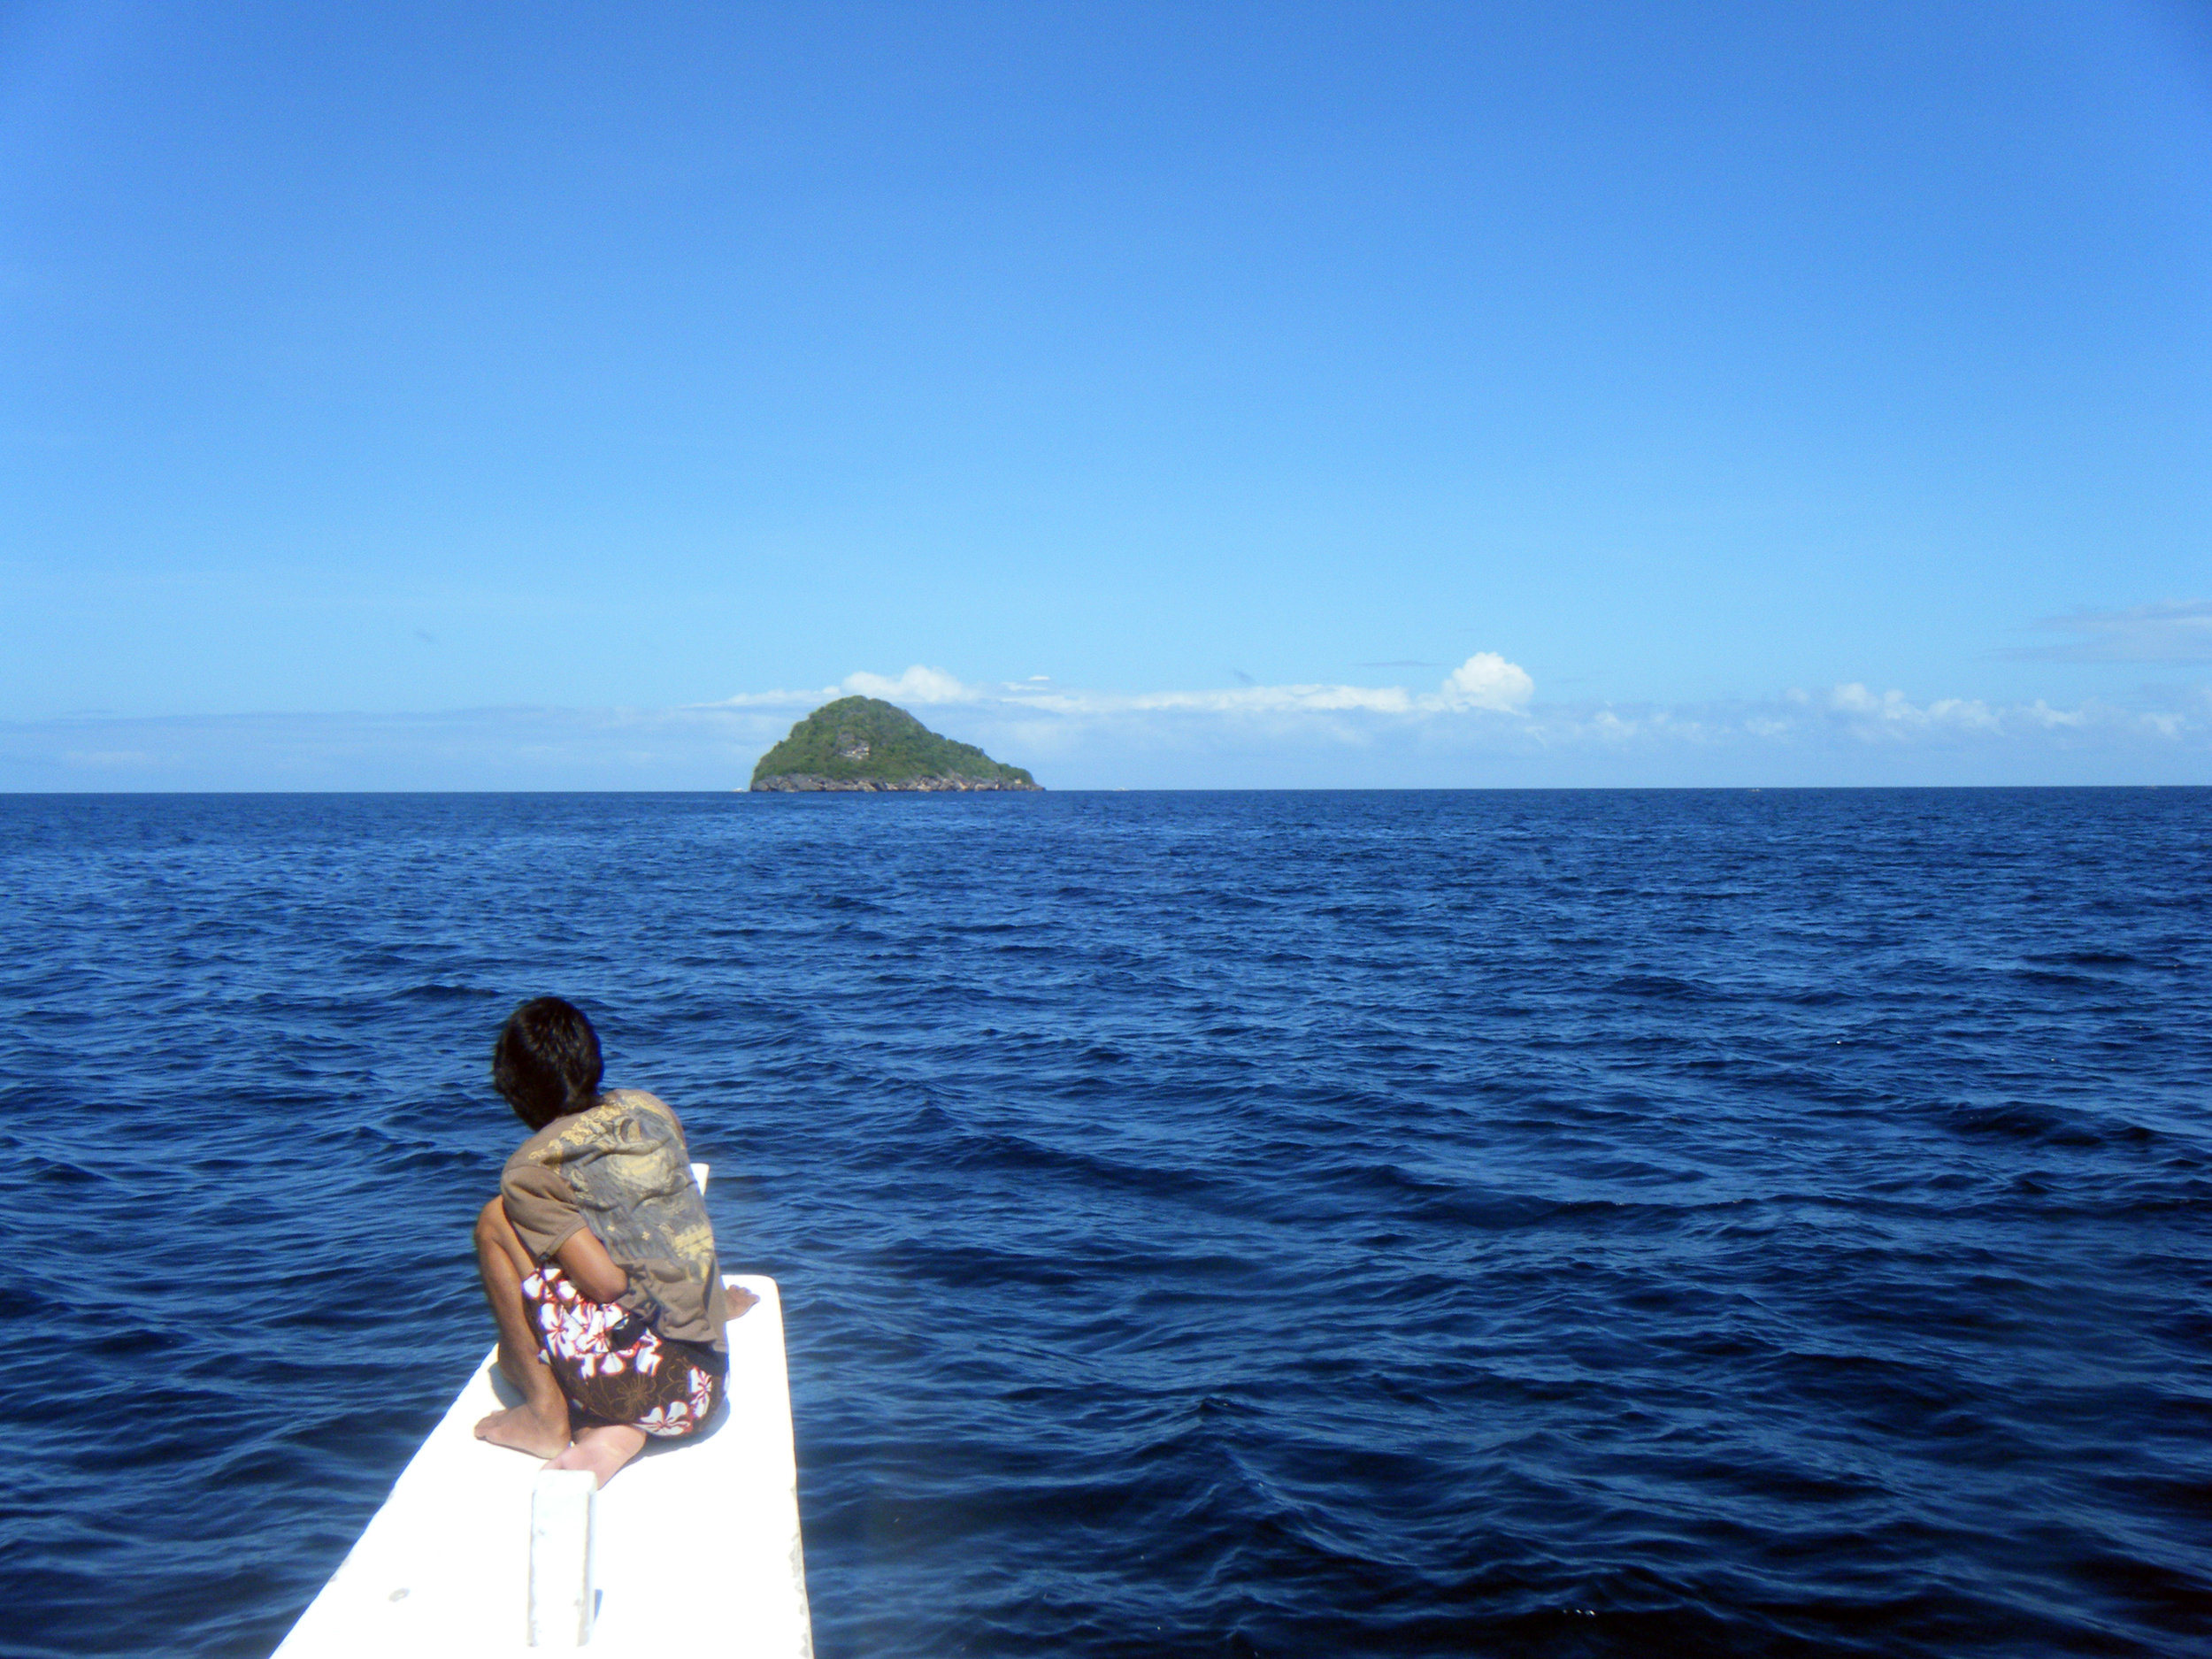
864,743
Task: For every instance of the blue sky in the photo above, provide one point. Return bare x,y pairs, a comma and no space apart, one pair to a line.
1369,395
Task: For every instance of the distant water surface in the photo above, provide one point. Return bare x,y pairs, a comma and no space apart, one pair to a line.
1328,1224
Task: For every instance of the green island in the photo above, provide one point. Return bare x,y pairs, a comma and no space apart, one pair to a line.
864,743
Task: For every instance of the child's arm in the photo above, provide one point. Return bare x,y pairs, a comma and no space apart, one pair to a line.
589,1268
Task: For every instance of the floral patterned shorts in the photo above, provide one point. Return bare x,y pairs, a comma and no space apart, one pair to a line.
614,1367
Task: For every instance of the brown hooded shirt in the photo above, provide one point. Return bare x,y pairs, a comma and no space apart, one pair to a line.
621,1169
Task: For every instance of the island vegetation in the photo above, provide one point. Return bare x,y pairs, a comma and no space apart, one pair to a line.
864,743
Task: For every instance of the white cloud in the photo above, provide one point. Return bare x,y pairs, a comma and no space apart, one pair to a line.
1388,700
776,699
1487,681
1856,699
1894,709
917,684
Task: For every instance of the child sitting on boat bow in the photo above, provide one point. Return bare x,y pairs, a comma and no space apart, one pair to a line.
597,1258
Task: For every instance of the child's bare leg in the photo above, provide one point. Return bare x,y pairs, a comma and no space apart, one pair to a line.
540,1424
602,1450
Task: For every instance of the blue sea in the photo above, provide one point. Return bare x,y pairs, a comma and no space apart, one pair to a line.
1560,1224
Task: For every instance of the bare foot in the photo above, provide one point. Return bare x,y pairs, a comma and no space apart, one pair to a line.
527,1429
602,1450
736,1300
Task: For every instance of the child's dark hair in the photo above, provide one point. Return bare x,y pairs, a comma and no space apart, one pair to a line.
546,1062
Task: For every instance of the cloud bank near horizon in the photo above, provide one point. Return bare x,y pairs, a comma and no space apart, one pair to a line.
1482,724
1486,685
1486,681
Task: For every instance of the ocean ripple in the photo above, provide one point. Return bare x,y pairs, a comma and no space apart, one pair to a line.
1579,1224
